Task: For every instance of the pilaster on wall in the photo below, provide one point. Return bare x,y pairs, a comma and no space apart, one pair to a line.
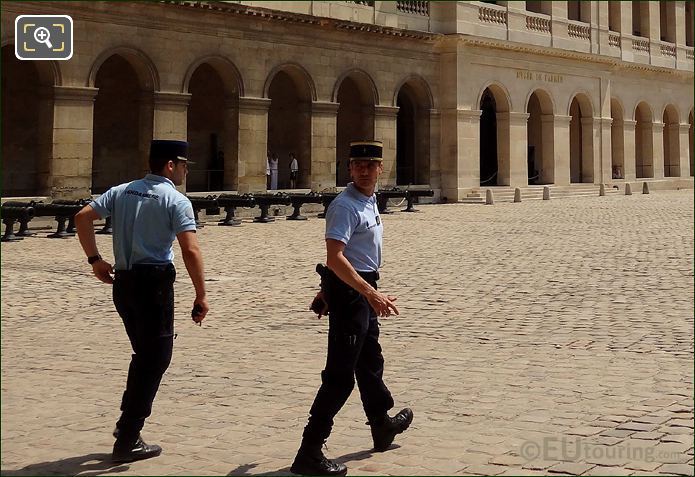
171,115
629,155
684,149
460,152
435,160
512,152
324,120
658,150
253,140
70,168
590,153
561,137
606,151
385,131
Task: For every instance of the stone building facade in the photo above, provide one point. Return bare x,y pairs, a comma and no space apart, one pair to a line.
462,94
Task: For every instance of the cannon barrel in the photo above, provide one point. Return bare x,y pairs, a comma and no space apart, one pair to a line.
209,203
412,194
230,202
383,196
300,199
326,199
11,214
264,201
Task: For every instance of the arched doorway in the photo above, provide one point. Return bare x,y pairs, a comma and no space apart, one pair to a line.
489,166
539,136
690,147
671,142
289,124
644,165
213,126
356,96
27,126
581,140
413,133
123,114
617,141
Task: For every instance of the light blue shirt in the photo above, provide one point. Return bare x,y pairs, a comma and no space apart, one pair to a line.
146,215
353,218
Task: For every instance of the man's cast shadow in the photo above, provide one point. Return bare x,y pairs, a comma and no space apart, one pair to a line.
85,465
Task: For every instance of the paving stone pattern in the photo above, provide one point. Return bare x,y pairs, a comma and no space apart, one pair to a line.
545,337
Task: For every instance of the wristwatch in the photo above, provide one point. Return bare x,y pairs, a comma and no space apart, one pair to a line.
94,259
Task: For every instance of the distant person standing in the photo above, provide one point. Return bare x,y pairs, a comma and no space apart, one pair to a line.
273,164
147,215
267,171
349,288
294,171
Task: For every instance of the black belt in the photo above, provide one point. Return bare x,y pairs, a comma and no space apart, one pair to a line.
147,269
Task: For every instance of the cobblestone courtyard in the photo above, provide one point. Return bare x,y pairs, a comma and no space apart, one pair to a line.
534,338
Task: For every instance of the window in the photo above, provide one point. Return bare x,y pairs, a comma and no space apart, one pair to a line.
614,16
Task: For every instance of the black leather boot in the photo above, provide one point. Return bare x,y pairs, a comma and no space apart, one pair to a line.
130,451
385,431
311,461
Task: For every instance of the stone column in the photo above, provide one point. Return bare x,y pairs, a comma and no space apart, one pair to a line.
546,168
70,175
629,153
385,131
435,180
324,120
658,150
561,137
171,115
591,164
512,155
605,161
460,152
253,144
139,168
230,144
684,149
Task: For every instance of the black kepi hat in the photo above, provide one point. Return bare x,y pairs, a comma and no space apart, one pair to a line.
366,150
169,150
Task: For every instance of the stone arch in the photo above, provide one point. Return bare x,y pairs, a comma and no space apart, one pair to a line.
292,92
495,162
357,95
414,101
540,156
420,87
299,75
364,82
617,139
671,141
126,80
644,141
27,126
231,77
581,111
212,125
142,64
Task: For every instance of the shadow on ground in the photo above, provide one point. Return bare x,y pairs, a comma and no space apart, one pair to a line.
85,465
247,469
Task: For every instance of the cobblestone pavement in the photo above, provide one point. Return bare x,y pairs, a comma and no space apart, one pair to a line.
534,338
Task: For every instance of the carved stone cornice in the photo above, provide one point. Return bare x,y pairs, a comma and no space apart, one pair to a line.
74,93
254,104
324,108
162,98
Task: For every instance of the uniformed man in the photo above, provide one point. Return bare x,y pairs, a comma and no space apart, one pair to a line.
147,215
349,287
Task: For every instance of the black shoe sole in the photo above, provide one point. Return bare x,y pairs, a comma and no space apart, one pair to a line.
135,457
303,471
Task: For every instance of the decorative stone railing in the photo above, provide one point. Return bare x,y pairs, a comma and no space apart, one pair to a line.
369,3
492,15
538,24
614,40
668,50
413,7
689,54
640,45
579,31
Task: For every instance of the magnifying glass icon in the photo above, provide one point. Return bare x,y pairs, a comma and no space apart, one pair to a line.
42,35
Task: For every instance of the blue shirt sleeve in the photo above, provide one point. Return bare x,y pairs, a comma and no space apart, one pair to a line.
103,205
183,219
341,223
